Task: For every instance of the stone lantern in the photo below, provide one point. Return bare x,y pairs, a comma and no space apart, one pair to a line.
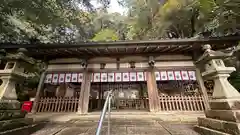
223,116
12,75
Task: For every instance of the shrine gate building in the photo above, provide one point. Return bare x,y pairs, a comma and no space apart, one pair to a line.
144,75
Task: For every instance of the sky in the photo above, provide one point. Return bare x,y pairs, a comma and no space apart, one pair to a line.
113,7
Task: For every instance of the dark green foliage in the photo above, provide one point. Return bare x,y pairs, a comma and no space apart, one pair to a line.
71,21
234,79
76,20
46,20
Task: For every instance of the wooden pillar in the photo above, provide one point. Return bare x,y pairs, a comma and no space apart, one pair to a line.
202,87
39,88
200,80
99,101
153,98
84,93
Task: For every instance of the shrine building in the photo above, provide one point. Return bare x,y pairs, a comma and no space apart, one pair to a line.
158,75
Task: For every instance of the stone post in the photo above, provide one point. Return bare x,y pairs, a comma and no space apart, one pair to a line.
39,88
85,93
223,116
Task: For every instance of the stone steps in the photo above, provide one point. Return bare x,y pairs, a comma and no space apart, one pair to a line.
208,131
220,125
227,115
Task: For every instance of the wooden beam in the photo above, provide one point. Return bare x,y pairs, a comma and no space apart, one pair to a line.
111,55
165,49
126,49
77,50
108,51
185,48
145,49
158,48
117,50
89,52
136,49
96,49
203,89
79,53
96,52
200,80
67,51
152,49
175,48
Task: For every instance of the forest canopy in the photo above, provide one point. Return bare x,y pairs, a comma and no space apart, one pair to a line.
71,21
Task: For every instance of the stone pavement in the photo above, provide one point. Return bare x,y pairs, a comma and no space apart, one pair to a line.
127,124
164,116
119,127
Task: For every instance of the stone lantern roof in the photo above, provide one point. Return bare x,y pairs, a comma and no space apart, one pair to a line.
20,56
211,54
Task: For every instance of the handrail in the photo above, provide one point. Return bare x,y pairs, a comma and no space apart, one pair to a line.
107,105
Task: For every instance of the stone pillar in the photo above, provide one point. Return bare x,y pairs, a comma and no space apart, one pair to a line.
39,88
153,98
223,116
85,93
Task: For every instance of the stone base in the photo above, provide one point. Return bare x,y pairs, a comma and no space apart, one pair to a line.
226,115
222,119
10,109
207,131
10,105
225,104
220,125
11,114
